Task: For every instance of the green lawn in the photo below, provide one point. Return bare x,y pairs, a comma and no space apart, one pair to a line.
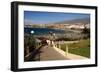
81,51
81,48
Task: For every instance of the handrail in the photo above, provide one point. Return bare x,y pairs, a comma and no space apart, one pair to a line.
31,56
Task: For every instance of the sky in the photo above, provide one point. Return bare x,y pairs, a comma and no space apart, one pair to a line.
36,17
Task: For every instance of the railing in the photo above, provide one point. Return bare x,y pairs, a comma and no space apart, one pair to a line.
34,55
59,46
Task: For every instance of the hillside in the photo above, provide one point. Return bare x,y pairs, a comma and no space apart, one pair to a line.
74,21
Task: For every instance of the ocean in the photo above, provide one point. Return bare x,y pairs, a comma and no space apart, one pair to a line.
43,31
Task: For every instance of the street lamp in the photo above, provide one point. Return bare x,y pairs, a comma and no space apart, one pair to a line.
32,32
31,37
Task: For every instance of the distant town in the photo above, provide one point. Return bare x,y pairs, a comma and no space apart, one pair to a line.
59,26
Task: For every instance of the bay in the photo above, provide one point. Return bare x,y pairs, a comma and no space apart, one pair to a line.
43,31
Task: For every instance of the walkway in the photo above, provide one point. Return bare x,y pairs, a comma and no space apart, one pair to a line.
49,53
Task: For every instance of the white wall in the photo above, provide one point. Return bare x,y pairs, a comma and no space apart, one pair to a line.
5,35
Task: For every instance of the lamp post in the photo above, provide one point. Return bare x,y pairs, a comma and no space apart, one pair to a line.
32,36
35,45
28,46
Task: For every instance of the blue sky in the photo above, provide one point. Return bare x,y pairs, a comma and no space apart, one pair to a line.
36,17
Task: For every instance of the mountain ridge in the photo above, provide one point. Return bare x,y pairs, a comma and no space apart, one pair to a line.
75,21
